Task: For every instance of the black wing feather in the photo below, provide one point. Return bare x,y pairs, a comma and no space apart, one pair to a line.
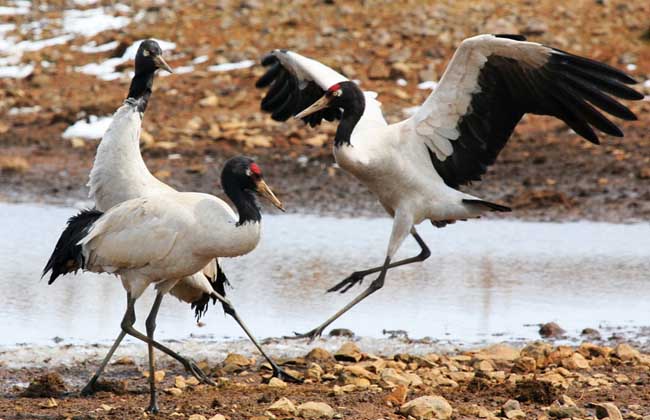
569,87
286,98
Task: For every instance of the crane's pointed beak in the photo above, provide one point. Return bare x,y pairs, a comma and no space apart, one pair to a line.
323,102
162,64
266,192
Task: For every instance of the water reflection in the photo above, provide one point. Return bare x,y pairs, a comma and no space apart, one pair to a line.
484,278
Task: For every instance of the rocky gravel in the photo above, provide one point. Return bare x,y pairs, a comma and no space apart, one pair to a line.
538,381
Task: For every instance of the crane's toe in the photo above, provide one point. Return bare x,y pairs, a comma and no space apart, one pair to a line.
347,283
310,335
279,373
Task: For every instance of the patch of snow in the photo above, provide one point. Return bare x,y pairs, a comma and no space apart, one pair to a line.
93,48
91,22
6,27
122,8
232,66
85,2
179,70
10,11
27,45
402,82
24,110
92,128
200,59
411,110
430,84
631,67
16,72
646,84
106,69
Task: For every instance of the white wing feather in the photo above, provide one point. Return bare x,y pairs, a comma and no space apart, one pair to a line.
131,235
437,119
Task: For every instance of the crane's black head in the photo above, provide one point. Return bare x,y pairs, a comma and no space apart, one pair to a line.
344,95
149,58
240,177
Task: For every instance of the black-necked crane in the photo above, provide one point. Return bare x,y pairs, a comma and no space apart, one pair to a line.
416,166
119,173
160,239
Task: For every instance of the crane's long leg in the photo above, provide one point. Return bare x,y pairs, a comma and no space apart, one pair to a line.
230,310
357,276
402,225
377,284
90,386
127,326
151,327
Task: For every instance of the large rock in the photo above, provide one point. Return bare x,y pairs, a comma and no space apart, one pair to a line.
625,352
393,377
575,362
283,406
498,352
349,352
551,330
427,407
315,410
319,354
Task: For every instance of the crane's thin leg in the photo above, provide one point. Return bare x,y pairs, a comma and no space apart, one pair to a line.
151,327
127,326
402,225
377,284
90,386
277,370
357,276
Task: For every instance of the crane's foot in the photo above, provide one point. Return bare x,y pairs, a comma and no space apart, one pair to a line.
90,387
310,335
196,371
279,373
347,283
153,408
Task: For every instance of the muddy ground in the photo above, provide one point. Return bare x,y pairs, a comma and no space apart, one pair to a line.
540,380
196,120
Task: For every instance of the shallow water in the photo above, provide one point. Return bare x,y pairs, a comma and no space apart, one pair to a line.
487,281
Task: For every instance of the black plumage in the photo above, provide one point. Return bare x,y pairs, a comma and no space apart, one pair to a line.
571,88
67,256
218,283
286,97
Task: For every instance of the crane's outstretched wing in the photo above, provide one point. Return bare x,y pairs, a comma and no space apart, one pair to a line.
295,82
492,81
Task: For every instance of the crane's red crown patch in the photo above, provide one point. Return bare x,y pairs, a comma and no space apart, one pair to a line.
255,169
334,88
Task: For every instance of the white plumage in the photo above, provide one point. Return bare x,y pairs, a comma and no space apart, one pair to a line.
163,238
415,167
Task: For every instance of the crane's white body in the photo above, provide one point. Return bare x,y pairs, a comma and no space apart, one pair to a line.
165,237
392,160
120,174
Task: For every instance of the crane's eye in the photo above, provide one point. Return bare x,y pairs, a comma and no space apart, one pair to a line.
338,92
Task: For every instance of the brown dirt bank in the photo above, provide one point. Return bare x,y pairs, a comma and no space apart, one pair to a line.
198,119
537,382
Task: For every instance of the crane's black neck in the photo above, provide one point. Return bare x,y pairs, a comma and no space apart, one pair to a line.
140,89
244,200
353,105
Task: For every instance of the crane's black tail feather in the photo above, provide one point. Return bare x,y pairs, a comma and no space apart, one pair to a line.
67,256
218,283
489,205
